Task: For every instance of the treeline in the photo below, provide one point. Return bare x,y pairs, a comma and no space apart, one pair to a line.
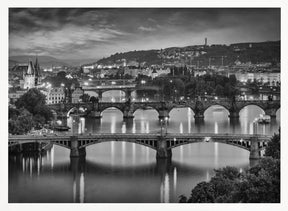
192,87
259,184
30,111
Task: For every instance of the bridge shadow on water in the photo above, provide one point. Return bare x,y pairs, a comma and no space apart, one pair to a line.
167,176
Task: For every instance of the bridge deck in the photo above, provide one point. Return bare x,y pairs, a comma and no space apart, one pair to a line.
114,136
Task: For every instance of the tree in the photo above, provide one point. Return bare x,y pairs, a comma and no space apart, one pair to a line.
259,184
202,193
219,90
31,99
273,148
182,199
85,97
61,74
34,102
94,99
22,123
232,80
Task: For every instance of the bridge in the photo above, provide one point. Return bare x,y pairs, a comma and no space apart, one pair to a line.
127,89
94,109
163,144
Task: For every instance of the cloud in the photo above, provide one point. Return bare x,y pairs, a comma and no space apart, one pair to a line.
72,32
146,29
152,20
69,39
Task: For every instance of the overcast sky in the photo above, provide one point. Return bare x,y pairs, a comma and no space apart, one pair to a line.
95,33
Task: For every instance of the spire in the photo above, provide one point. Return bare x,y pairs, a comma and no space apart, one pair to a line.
30,70
37,67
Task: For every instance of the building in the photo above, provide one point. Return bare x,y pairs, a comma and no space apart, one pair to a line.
76,94
32,77
55,95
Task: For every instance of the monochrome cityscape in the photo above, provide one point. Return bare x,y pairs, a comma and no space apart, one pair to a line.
144,105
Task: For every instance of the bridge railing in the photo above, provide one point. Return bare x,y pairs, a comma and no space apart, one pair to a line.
140,135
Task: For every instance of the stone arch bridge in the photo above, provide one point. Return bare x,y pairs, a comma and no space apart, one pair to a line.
163,144
127,89
163,108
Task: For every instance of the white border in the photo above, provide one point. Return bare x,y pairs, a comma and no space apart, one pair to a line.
148,3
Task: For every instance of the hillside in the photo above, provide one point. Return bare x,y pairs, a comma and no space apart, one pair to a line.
202,55
149,57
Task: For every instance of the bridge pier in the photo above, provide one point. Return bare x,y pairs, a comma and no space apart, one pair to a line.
127,114
271,112
254,150
128,94
199,116
163,114
95,114
234,114
75,151
162,150
100,95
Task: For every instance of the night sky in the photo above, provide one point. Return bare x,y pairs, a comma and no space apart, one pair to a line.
95,33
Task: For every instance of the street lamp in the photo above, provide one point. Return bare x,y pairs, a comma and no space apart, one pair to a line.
161,124
166,121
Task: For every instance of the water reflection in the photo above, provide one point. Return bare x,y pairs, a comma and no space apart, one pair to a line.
77,166
110,168
181,121
92,180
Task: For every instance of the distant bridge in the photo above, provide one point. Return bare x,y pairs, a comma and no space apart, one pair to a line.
163,108
127,89
161,143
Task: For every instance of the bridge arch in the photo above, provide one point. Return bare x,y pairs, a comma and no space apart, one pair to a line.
64,144
152,144
146,109
105,109
243,144
217,105
73,109
254,105
91,93
121,98
259,110
187,111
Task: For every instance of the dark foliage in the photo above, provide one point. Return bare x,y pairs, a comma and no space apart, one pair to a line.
259,184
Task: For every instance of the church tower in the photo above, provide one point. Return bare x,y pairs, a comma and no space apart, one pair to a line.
32,77
29,77
37,72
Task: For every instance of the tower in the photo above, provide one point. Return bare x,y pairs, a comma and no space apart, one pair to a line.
29,77
205,41
37,72
32,76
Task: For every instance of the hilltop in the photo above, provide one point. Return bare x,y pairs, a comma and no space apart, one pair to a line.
254,52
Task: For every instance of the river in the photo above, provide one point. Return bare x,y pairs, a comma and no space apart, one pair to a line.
126,172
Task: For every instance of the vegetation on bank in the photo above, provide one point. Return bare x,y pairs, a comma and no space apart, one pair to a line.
30,111
192,87
259,184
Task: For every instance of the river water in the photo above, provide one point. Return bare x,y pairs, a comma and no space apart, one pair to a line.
126,172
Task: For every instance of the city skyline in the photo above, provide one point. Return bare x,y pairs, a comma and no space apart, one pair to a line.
71,33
